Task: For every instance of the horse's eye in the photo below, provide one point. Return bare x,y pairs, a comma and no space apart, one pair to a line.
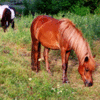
86,70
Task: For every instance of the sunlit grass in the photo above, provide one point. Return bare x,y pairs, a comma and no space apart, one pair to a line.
19,82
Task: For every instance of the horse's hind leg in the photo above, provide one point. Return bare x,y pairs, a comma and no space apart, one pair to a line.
45,54
3,24
39,54
35,55
13,25
7,24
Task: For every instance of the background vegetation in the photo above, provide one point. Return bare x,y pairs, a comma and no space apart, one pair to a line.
19,82
79,7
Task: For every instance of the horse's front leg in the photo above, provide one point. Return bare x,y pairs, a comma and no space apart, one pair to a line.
45,54
12,23
66,62
7,24
65,56
3,24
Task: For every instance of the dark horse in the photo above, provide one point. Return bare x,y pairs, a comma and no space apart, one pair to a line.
7,16
61,34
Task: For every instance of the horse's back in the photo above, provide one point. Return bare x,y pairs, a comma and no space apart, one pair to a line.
38,22
45,29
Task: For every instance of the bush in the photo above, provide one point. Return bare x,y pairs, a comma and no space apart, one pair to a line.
80,7
48,6
41,6
28,7
97,11
80,10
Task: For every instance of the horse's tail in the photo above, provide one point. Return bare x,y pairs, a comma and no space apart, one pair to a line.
33,29
6,14
5,18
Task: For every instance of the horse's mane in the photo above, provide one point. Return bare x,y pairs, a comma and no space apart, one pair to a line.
75,39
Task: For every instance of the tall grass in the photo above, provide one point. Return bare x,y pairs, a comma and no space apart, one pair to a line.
19,82
89,24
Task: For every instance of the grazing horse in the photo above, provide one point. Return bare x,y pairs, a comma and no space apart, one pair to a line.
61,34
7,15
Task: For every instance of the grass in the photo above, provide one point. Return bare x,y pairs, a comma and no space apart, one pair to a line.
19,82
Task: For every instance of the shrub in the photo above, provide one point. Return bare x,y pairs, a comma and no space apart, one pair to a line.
48,6
80,10
97,11
41,6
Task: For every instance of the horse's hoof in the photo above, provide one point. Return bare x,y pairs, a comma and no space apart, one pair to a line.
50,73
66,81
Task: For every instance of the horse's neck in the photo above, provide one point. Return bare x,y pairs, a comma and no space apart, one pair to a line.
77,43
75,40
80,48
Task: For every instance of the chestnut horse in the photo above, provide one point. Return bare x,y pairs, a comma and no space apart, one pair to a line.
61,34
7,15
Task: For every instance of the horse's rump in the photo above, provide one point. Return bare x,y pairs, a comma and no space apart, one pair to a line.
6,14
45,30
37,23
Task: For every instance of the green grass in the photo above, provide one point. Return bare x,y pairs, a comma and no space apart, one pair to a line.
19,82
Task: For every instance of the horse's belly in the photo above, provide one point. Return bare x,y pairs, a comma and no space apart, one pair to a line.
49,41
51,46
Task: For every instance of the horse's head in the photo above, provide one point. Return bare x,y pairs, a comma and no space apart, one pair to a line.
86,70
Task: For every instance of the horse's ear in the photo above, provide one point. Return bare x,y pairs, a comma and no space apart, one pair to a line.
86,59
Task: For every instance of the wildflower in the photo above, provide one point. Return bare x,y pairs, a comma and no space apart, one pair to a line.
30,79
39,59
59,92
16,98
73,92
53,89
58,86
66,89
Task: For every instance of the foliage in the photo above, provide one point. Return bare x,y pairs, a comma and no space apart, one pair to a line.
97,11
19,82
92,4
82,11
41,6
48,6
80,7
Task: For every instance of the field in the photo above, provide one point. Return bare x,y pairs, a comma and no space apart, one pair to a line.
19,82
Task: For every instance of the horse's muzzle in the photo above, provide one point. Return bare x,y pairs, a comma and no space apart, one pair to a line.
88,84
